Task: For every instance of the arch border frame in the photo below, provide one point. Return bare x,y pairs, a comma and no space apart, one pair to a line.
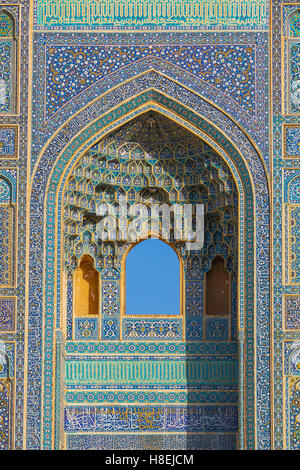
53,200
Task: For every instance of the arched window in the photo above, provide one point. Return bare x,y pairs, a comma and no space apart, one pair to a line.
7,230
8,61
152,279
294,24
292,72
7,27
217,290
86,288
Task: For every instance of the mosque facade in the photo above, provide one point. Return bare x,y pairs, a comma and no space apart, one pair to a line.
164,102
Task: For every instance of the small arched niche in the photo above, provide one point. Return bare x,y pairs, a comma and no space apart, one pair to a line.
86,288
6,191
7,24
152,277
8,49
293,24
217,289
292,47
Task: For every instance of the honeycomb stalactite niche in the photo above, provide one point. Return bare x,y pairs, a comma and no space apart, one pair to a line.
151,161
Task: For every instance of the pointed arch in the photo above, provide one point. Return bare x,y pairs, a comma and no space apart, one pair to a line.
86,288
293,24
7,24
217,289
8,57
245,162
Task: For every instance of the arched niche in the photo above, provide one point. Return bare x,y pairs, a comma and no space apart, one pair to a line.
217,289
7,24
8,57
7,231
293,24
86,288
247,173
291,58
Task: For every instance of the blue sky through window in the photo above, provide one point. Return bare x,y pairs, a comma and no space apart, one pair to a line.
152,279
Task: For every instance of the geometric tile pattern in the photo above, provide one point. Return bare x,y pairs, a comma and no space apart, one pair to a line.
126,372
8,61
172,57
196,86
292,185
142,396
65,69
5,409
284,71
292,389
110,328
8,186
292,312
294,24
216,329
7,57
6,25
292,141
161,347
191,72
46,433
142,329
294,244
294,397
86,328
6,241
10,350
295,77
5,191
8,141
14,52
7,313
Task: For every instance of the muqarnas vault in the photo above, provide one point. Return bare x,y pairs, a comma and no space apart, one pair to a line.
152,102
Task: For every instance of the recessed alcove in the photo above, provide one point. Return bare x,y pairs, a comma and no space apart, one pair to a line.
153,288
